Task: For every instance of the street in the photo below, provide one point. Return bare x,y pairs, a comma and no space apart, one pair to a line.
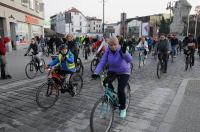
157,105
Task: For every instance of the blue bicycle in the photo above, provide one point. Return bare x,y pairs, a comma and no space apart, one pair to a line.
102,114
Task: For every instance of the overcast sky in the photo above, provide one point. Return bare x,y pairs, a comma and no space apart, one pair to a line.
113,8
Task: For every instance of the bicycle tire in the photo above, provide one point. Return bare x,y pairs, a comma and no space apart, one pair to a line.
128,98
92,120
93,65
42,68
79,66
139,61
40,88
190,61
159,70
186,63
74,79
33,68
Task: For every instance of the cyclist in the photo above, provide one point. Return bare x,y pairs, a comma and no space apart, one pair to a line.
37,51
118,61
162,48
189,43
143,45
65,59
174,43
101,44
72,46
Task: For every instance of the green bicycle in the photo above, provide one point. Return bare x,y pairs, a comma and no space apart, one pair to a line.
102,115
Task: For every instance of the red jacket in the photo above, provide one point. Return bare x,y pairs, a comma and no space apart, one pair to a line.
3,43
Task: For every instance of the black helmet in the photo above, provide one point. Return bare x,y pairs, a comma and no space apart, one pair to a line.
63,46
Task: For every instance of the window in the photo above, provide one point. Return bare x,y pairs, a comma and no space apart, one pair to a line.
94,28
72,29
96,31
31,4
37,6
88,25
94,23
80,23
41,7
25,3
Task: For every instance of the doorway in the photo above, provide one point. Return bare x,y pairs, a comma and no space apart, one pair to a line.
13,35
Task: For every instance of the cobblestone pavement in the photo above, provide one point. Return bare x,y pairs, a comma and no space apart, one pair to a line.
150,101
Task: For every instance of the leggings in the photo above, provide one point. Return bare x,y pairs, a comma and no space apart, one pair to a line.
122,83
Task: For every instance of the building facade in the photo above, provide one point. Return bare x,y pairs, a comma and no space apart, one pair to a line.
94,25
74,22
21,20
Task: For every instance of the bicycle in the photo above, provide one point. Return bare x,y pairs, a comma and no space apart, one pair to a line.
106,106
188,59
79,66
47,94
141,58
32,67
94,63
160,67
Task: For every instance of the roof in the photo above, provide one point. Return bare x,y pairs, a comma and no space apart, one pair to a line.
73,10
93,18
53,16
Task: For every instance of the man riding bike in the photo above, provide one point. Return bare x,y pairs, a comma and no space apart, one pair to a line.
118,61
37,51
162,48
189,43
65,59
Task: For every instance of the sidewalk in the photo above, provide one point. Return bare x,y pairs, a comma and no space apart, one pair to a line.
183,115
16,63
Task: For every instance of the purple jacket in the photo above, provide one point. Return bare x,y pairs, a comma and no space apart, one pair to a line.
117,62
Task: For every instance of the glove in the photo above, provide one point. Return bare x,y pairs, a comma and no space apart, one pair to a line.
124,47
95,76
25,54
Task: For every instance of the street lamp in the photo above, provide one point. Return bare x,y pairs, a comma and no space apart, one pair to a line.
197,10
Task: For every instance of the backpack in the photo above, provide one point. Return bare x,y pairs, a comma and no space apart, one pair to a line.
163,46
120,51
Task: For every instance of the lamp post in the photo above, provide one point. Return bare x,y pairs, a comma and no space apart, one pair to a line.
103,16
197,10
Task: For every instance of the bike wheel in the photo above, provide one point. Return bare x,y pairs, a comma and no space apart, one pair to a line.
128,95
77,82
139,61
31,70
79,66
47,95
186,63
131,67
42,67
93,65
102,116
159,70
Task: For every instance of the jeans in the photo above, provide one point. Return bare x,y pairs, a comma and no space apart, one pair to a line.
173,49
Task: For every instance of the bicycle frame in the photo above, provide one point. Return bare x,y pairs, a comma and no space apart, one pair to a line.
111,96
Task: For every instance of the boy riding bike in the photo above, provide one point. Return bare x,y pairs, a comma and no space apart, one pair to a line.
65,61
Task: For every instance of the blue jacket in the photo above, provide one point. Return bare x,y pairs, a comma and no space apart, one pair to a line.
64,62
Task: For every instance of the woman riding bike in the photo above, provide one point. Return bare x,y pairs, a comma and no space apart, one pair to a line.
118,61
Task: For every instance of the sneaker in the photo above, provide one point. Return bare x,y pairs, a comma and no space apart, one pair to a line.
122,113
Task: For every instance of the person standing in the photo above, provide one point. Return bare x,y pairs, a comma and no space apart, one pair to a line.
174,43
3,42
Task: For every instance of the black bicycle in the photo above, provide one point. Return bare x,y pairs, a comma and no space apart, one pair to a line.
33,67
79,66
94,63
160,67
47,94
188,59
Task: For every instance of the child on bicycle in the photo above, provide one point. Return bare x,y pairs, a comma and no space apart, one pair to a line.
118,61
